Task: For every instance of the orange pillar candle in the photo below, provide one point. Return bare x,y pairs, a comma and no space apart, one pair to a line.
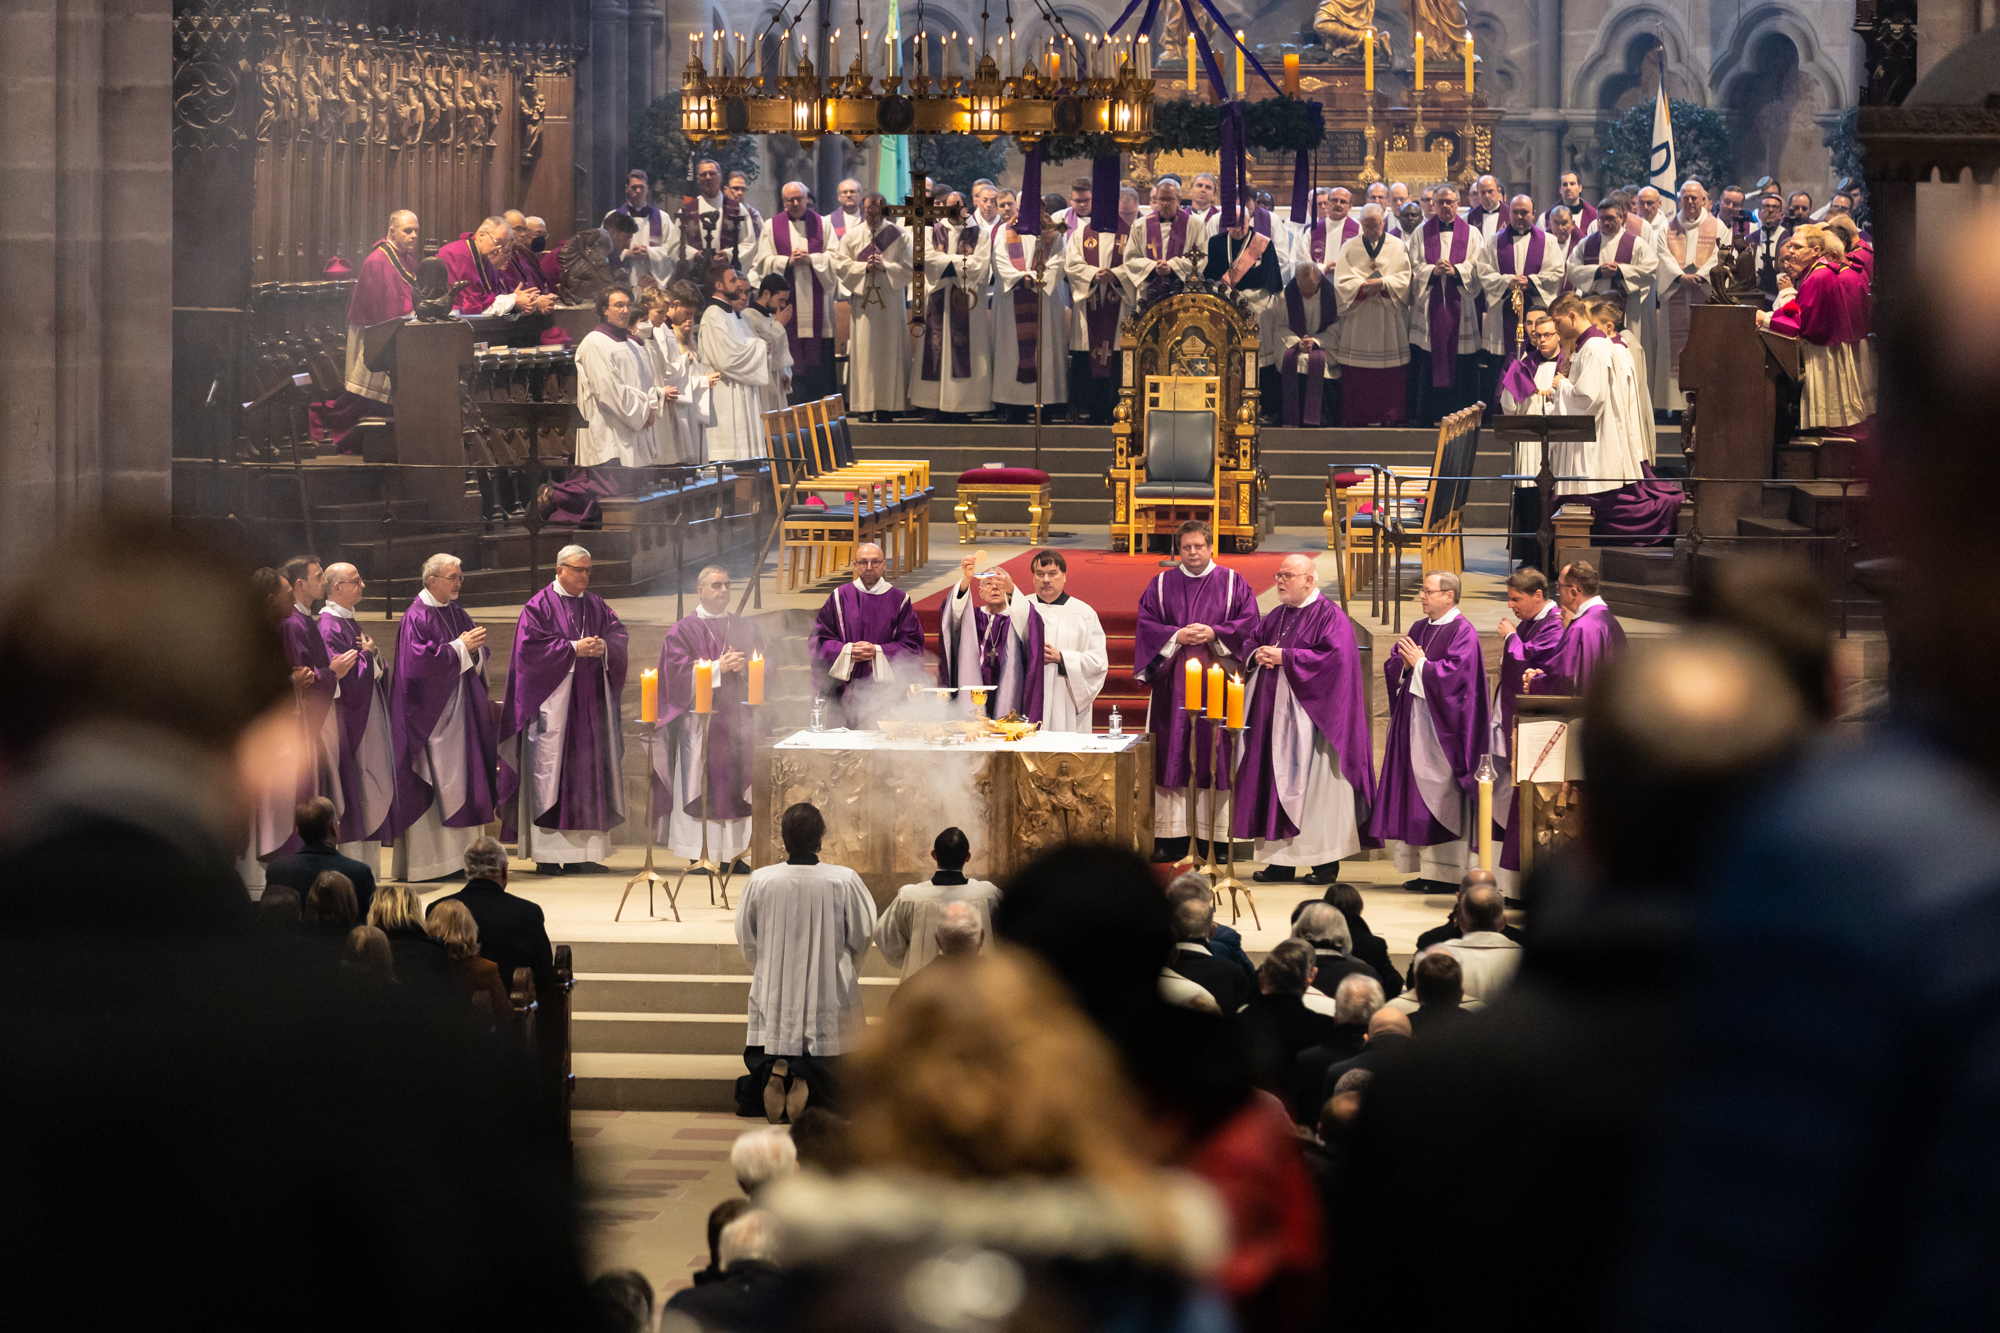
649,695
1191,63
1235,714
1191,694
1468,64
756,678
704,686
1217,679
1291,74
1368,60
1420,62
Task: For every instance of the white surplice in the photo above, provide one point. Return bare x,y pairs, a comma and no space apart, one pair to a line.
804,930
1051,334
1373,332
947,273
1543,284
878,347
684,420
428,848
800,273
618,400
1600,385
728,839
778,344
1071,627
1686,244
1470,271
723,342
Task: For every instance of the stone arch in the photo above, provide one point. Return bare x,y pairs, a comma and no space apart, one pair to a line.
1737,61
1777,96
1612,66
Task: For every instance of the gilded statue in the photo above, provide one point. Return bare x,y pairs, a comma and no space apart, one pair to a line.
1341,23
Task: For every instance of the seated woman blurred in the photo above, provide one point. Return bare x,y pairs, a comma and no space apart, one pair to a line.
329,911
999,1161
451,925
421,964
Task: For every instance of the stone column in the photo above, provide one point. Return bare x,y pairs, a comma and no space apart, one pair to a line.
610,105
86,244
1546,121
648,17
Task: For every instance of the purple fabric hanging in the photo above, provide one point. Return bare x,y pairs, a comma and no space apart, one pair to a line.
1028,215
1104,193
1231,160
1303,169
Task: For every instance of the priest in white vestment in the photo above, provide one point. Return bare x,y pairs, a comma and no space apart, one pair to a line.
989,641
1447,256
1692,242
1167,243
1100,302
1617,261
1371,282
726,345
1522,258
1597,384
953,370
874,264
1074,660
1045,363
798,246
655,243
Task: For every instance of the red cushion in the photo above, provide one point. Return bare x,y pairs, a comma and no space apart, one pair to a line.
1349,478
1004,476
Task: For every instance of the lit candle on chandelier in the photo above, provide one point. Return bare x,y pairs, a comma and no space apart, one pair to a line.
1191,59
1191,693
1291,74
1240,66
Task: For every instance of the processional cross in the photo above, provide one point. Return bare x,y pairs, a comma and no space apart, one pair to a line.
920,213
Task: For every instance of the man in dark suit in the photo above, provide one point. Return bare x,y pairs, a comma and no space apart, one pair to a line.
1767,243
1194,918
316,822
1388,1040
511,929
1321,925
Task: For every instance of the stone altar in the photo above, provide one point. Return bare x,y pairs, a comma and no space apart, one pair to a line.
885,800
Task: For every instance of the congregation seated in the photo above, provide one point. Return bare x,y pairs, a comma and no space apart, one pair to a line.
316,823
1322,926
719,1217
1224,942
741,1299
1437,997
452,926
1486,957
1194,922
509,928
421,963
366,954
1366,945
278,910
820,1139
328,913
1451,929
1388,1039
1276,1021
1356,1000
906,933
623,1301
761,1156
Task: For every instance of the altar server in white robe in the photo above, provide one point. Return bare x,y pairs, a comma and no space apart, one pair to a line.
1371,282
769,314
687,413
1074,659
1690,244
873,261
1597,384
727,346
1522,258
1617,261
615,391
1015,260
954,361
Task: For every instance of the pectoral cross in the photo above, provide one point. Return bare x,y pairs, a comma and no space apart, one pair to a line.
918,213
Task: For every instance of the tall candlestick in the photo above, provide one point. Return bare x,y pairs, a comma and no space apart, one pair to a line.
1420,62
756,678
1240,85
704,686
1191,691
1217,690
649,695
1235,711
1468,64
1291,74
1368,60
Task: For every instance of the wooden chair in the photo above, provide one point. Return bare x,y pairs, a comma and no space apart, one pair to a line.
816,434
834,451
814,541
1412,506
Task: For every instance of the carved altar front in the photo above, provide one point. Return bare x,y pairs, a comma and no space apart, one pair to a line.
886,801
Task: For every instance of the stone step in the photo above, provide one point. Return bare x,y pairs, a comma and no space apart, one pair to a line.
1648,567
623,1081
719,958
690,993
658,1034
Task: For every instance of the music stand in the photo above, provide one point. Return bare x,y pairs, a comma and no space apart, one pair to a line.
1546,428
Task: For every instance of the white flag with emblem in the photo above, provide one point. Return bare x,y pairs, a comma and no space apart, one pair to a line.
1662,172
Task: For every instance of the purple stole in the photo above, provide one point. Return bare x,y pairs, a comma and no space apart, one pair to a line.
1518,380
805,351
1101,311
1504,259
1594,247
1027,312
1444,304
961,315
880,242
1314,362
1316,238
837,219
1176,242
654,219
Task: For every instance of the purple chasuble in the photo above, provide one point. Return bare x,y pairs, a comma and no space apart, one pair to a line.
1446,296
588,794
1534,646
889,621
987,652
367,737
732,728
805,351
382,291
1322,668
427,677
319,734
1588,641
484,286
1454,676
1219,599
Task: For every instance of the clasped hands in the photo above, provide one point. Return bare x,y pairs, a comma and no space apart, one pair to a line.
1268,656
589,647
1194,634
1406,648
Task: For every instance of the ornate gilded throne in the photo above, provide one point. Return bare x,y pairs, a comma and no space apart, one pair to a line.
1184,433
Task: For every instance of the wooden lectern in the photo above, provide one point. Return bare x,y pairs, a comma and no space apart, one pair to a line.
1547,428
1731,428
424,361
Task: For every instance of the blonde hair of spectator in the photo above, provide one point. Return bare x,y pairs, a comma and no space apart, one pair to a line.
451,925
395,907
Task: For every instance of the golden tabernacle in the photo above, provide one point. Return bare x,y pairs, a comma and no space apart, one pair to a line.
886,798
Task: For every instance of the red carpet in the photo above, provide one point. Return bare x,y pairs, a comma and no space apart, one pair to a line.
1111,584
